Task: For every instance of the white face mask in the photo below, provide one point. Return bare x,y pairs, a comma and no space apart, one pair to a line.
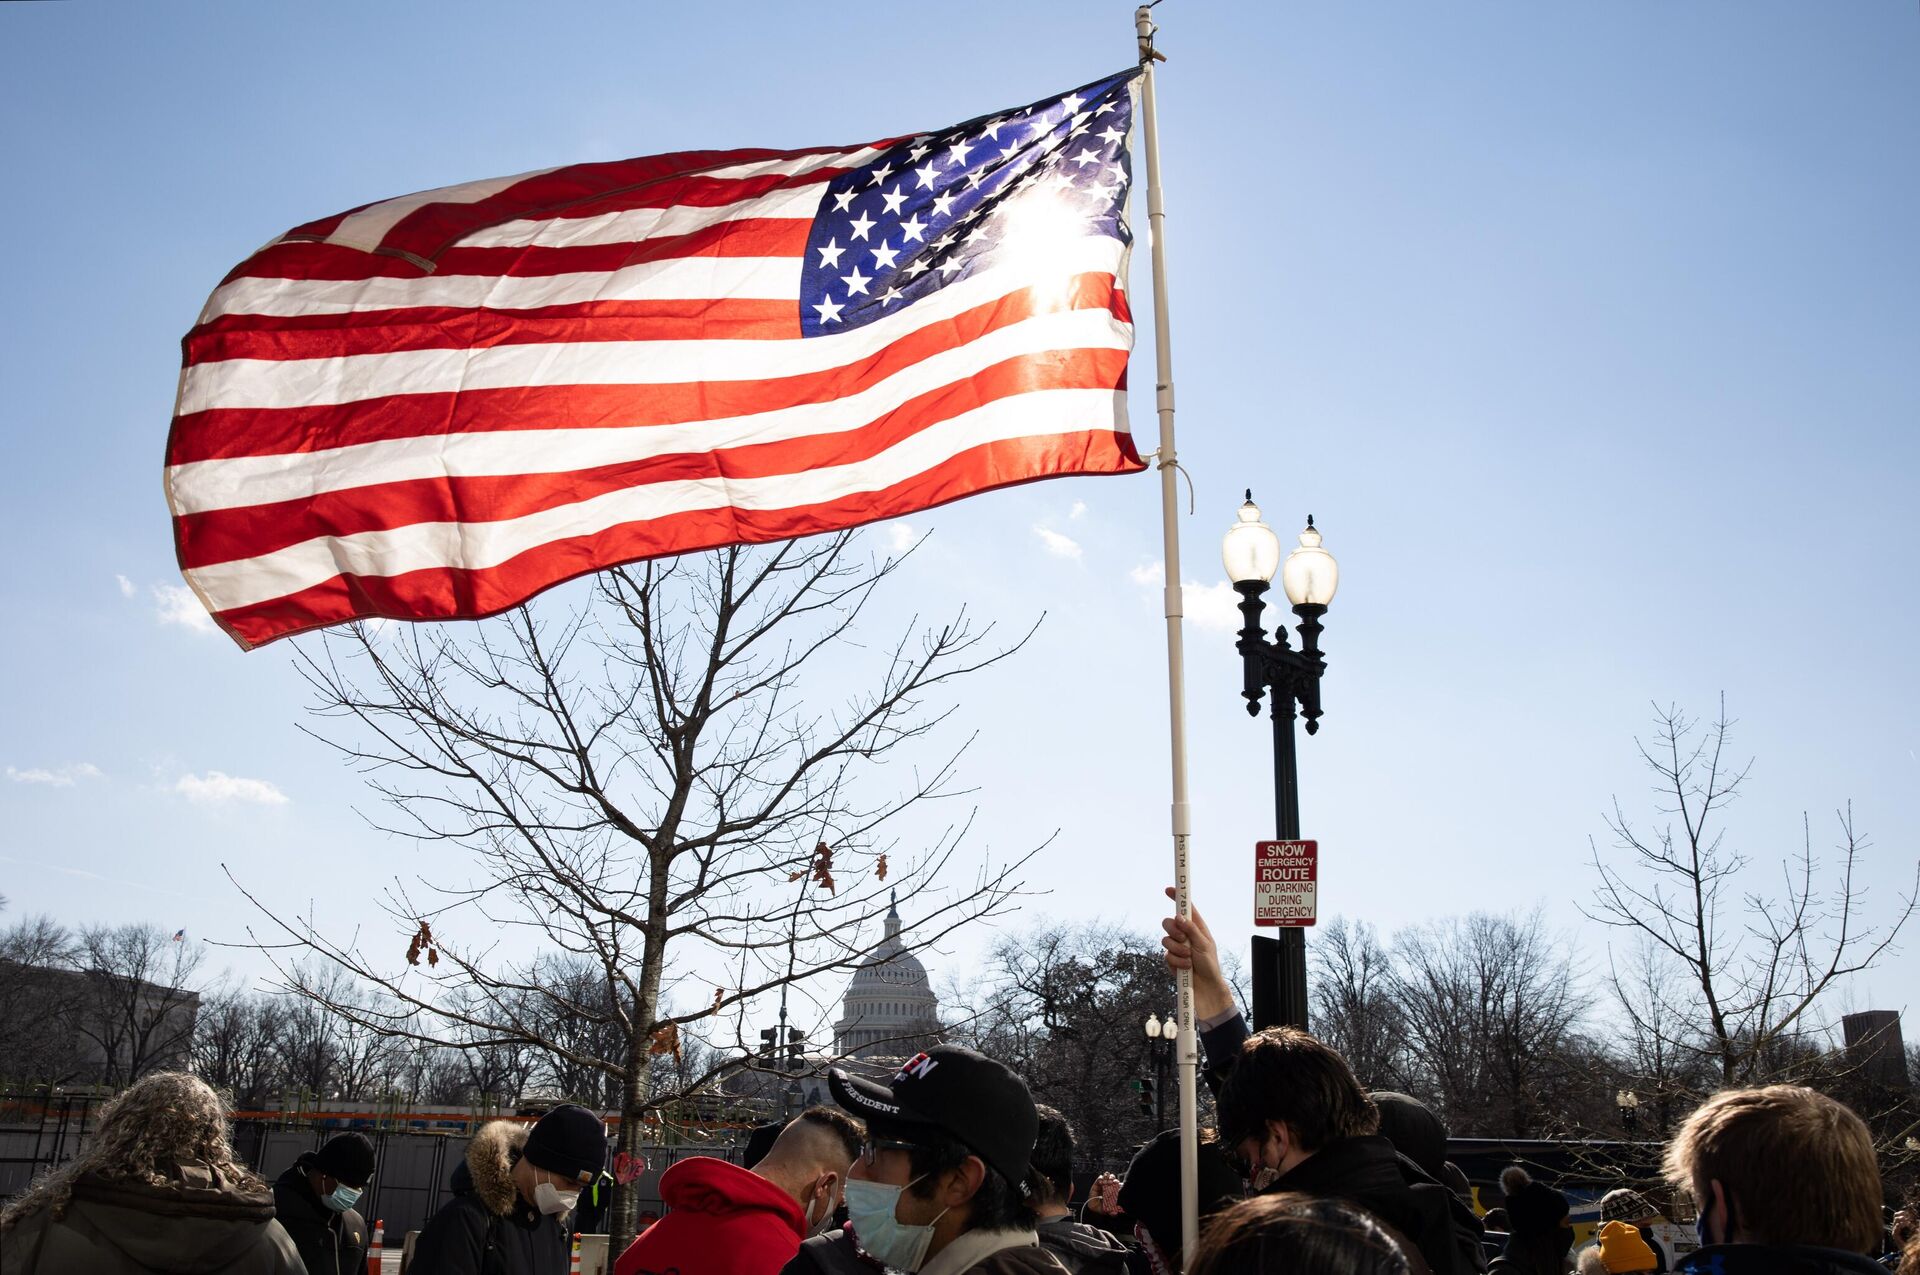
881,1236
549,1199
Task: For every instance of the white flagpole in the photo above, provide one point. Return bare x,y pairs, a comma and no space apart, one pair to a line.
1189,1052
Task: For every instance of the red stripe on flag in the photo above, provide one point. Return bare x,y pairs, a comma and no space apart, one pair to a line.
222,433
449,593
581,190
746,237
332,336
225,535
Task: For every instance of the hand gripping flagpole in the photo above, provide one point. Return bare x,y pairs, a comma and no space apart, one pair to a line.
1189,1053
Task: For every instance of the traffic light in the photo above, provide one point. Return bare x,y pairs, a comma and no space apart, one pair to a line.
768,1039
1145,1087
796,1051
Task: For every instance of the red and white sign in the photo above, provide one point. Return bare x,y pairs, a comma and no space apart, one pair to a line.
1285,882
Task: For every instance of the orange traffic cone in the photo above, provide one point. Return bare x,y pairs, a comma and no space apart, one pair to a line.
576,1256
374,1249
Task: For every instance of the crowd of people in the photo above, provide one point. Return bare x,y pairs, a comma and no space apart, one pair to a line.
951,1168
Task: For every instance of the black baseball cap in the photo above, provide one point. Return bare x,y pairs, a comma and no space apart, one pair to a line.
954,1091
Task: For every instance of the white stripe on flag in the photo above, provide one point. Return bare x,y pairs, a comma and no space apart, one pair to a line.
200,486
479,545
714,278
287,383
636,224
365,229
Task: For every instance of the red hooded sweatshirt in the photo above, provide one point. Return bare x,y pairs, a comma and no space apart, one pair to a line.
724,1221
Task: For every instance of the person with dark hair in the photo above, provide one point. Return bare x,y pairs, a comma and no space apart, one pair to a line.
726,1220
157,1187
1295,1119
1785,1180
1288,1232
511,1196
942,1184
1151,1196
1086,1250
314,1200
1539,1227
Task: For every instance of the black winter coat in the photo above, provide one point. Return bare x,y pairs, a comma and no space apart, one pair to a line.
330,1243
1083,1249
1368,1172
486,1228
1776,1259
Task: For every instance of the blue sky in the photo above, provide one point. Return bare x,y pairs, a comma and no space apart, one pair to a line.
1587,331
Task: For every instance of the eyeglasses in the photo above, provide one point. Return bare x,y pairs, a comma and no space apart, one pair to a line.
873,1146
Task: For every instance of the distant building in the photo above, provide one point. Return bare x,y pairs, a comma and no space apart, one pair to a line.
90,1027
890,1010
1876,1049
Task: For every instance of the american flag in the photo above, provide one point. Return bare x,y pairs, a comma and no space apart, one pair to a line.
437,406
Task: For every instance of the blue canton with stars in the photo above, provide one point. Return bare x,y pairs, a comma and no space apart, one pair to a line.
942,206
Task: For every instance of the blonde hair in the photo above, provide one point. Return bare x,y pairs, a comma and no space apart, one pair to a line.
1797,1167
144,1135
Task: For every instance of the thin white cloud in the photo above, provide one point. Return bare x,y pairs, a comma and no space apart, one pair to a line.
217,789
58,777
1058,545
176,604
1212,607
900,536
126,586
1079,509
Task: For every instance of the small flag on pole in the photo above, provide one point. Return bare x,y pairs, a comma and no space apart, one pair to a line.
179,935
437,406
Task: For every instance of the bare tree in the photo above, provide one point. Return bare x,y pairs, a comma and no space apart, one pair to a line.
1065,1006
1487,1004
1354,1009
1653,1038
39,993
1753,966
236,1045
139,1004
639,780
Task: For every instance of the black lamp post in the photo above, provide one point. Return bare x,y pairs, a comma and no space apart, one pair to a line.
1160,1038
1251,552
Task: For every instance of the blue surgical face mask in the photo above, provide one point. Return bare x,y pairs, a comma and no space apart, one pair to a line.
881,1236
342,1198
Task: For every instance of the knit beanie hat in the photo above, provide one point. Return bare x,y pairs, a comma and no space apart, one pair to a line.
1151,1191
1622,1249
1624,1204
1413,1129
347,1157
1532,1207
569,1141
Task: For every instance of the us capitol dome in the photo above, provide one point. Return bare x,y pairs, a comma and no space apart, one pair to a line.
890,1009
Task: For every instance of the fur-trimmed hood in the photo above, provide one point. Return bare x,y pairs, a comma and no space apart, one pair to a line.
489,1166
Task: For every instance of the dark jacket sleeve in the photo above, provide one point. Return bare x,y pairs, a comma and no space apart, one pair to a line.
1219,1047
355,1238
453,1242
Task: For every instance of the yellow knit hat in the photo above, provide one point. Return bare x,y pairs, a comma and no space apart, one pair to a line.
1622,1249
